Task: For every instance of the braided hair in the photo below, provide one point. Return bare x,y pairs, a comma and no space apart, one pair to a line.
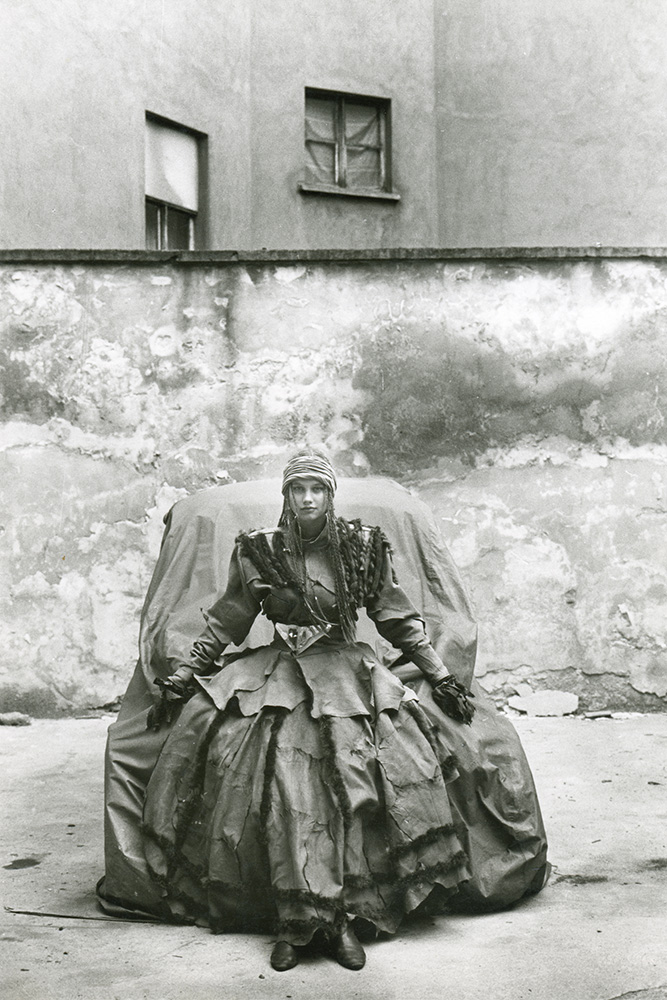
358,557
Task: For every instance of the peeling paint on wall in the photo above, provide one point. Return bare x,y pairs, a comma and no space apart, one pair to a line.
525,402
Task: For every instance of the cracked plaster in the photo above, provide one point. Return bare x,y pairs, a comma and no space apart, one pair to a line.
524,403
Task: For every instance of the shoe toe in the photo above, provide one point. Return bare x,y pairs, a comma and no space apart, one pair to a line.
283,956
349,953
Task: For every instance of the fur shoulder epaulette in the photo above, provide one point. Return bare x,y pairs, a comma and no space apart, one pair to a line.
265,549
365,532
364,550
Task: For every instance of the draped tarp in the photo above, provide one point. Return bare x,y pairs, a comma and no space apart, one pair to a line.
493,799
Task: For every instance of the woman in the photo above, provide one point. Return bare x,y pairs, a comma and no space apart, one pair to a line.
301,786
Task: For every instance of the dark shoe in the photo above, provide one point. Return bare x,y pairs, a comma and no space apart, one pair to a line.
283,956
348,951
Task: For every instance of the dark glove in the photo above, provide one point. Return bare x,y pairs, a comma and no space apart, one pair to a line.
174,695
453,699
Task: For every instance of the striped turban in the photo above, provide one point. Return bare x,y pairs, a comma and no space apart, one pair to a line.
309,467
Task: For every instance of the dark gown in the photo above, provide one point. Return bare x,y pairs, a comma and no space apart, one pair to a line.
306,782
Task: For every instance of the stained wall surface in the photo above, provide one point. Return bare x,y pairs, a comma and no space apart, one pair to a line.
524,400
514,122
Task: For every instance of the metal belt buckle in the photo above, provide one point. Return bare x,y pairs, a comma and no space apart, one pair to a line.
301,637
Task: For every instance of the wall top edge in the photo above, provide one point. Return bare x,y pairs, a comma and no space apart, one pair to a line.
153,257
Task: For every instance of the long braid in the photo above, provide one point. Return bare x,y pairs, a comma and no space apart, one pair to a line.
288,542
379,548
344,586
351,570
358,553
269,557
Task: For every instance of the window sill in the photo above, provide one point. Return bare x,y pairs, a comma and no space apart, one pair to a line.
348,192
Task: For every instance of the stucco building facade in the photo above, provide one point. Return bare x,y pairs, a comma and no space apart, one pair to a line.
506,123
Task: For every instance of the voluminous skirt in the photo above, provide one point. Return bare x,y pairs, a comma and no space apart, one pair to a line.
293,793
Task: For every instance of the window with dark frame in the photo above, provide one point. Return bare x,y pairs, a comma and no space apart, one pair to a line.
347,140
173,185
168,227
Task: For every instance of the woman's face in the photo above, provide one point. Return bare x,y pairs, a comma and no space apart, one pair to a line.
308,500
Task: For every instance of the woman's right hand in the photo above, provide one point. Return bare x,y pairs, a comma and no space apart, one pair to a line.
175,691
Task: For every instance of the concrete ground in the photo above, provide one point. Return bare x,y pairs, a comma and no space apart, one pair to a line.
598,931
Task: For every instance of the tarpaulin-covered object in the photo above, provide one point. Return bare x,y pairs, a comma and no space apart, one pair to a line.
491,793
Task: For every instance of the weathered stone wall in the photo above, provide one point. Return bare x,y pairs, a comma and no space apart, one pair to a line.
524,401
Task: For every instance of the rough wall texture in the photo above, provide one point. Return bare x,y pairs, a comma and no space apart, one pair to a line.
524,401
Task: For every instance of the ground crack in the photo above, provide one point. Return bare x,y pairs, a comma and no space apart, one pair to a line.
652,993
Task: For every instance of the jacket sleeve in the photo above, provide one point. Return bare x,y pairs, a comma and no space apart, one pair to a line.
397,621
229,620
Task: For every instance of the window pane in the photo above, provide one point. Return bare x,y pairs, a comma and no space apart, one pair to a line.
362,124
363,168
178,229
320,119
171,165
152,226
320,163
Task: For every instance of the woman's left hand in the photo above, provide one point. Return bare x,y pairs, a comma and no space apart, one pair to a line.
453,699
